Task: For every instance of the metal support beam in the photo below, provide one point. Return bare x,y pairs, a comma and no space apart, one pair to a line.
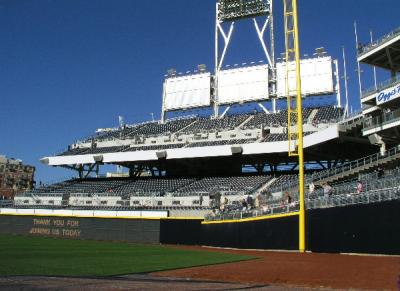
163,111
223,16
389,56
337,86
261,33
263,108
225,111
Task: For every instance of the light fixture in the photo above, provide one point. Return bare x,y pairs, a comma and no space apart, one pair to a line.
171,72
202,68
229,10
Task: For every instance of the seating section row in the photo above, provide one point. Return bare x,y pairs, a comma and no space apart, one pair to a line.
157,186
207,124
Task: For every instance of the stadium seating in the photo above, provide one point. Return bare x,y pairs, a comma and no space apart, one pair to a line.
228,184
137,134
220,142
328,114
156,128
279,119
226,123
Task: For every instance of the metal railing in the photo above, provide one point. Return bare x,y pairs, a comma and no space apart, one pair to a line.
6,203
370,182
382,85
385,118
375,196
353,165
387,37
352,199
291,185
249,213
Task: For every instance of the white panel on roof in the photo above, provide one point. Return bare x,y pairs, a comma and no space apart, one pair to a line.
188,91
243,84
71,160
316,77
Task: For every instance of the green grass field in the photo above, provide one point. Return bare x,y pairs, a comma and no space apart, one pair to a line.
23,255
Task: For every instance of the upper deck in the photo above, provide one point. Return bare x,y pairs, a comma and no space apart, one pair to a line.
383,53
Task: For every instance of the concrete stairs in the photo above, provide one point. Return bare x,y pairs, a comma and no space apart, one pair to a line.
266,185
312,115
244,122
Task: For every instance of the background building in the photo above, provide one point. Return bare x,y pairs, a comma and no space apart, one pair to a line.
14,177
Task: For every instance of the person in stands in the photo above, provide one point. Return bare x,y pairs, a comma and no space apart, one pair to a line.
311,188
359,187
381,172
257,201
327,190
244,204
249,201
289,199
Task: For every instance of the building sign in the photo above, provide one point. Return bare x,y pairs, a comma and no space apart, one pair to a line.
388,94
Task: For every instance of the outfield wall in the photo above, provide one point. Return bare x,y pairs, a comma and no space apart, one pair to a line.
265,233
132,230
137,230
362,228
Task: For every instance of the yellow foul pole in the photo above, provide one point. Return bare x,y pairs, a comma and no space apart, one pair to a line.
293,56
302,231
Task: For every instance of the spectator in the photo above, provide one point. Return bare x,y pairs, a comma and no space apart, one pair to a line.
201,199
257,200
311,188
327,190
217,200
213,213
288,198
249,201
244,204
223,203
381,172
359,187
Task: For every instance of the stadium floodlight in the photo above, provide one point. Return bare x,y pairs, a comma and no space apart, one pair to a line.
229,10
202,68
171,72
320,52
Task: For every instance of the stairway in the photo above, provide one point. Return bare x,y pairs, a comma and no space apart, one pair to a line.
312,115
266,185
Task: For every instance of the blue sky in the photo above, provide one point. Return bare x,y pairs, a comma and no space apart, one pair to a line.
68,67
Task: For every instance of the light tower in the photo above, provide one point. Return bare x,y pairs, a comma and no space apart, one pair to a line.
231,11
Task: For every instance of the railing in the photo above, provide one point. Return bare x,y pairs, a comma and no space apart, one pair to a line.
320,202
385,118
355,164
241,214
383,85
286,185
6,203
352,199
351,118
370,182
366,48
